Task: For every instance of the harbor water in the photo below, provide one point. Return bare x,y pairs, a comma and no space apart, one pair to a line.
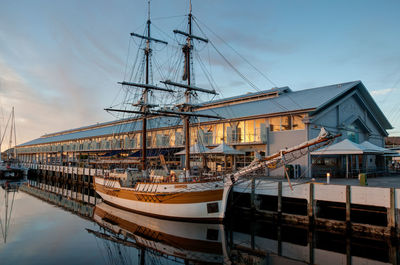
52,224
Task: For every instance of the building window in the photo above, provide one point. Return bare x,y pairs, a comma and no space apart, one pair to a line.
353,135
298,123
286,123
219,133
275,124
249,132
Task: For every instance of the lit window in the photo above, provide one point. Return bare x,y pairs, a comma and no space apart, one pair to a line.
286,123
250,131
298,123
275,124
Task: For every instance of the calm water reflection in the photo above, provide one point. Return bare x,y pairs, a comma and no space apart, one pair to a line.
41,226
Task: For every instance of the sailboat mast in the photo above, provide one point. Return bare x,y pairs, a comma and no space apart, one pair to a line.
187,108
145,97
147,87
11,132
15,135
186,50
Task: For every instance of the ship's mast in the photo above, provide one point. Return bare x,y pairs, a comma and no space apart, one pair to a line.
15,135
147,110
187,50
144,102
12,129
144,108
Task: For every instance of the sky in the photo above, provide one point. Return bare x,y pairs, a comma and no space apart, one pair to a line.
60,61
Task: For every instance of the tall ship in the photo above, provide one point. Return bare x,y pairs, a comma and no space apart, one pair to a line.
186,194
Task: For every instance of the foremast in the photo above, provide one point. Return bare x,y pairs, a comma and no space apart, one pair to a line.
144,105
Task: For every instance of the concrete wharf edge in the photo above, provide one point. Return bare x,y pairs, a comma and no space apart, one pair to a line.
384,194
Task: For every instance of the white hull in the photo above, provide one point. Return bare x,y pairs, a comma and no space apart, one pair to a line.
182,206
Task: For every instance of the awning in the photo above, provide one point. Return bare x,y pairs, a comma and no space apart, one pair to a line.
224,149
345,147
392,155
378,149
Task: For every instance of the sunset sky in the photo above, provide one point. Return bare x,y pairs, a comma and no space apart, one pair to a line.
60,61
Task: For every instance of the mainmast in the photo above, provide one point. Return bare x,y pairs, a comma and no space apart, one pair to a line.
187,107
186,121
145,107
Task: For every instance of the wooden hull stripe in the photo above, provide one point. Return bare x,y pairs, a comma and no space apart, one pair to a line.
167,198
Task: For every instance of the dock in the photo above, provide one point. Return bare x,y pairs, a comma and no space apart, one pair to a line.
342,206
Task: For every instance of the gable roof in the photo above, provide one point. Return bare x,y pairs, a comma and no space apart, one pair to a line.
366,96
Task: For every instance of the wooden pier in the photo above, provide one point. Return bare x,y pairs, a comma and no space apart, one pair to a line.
61,179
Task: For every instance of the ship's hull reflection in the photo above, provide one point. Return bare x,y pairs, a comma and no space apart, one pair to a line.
128,238
191,242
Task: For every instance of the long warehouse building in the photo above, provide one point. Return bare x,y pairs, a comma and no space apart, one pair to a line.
263,122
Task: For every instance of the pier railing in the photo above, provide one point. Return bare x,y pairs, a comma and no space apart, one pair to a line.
68,169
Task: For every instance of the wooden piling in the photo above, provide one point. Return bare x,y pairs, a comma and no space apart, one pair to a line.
253,196
348,208
279,238
311,245
391,214
348,251
310,206
279,208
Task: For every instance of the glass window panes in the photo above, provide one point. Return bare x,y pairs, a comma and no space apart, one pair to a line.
286,123
240,131
250,131
298,123
219,133
275,124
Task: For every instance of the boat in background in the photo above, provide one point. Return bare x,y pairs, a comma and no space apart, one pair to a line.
10,168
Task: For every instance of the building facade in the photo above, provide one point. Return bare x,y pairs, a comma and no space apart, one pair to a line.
263,122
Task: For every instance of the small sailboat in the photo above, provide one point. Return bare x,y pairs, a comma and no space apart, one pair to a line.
9,166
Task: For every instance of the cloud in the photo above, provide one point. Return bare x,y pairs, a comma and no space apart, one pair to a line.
44,111
381,92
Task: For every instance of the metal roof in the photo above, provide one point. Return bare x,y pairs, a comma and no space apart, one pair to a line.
306,99
315,99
